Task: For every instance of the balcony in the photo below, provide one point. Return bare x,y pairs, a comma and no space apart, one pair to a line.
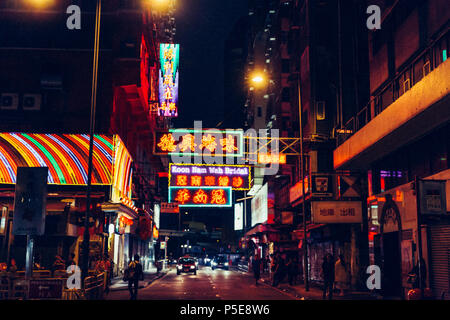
416,109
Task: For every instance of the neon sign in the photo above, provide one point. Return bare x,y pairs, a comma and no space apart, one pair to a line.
168,79
237,177
268,158
200,196
212,142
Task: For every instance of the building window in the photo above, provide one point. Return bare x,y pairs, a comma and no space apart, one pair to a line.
259,112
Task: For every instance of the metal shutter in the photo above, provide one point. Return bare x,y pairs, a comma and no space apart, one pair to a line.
440,260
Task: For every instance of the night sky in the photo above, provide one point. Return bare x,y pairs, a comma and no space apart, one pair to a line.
202,27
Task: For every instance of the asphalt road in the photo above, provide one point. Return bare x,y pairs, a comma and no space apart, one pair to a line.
206,285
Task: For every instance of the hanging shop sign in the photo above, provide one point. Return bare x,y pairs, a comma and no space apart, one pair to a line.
287,217
210,175
30,201
3,220
238,216
145,228
169,207
296,191
156,214
168,79
208,142
322,185
432,197
271,158
155,233
260,206
336,211
201,196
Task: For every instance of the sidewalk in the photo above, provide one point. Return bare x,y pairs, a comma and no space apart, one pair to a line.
151,275
315,292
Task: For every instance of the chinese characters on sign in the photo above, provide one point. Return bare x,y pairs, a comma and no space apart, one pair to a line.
203,175
200,197
198,142
169,208
168,80
336,211
266,158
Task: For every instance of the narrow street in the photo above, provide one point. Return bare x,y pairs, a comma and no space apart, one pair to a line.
206,285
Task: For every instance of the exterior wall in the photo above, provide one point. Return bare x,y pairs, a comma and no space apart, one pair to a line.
408,107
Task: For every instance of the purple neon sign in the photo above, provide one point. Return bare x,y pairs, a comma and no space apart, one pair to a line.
203,175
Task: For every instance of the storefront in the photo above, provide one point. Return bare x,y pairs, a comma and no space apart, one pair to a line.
393,236
66,157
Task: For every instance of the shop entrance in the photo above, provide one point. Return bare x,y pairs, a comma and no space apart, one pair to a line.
391,270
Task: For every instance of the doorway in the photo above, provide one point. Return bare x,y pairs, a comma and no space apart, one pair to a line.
391,271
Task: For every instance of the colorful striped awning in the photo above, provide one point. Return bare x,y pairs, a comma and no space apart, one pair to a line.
66,156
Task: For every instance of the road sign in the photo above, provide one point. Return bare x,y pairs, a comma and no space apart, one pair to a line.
46,289
30,201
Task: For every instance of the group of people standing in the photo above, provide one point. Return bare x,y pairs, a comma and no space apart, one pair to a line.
334,273
279,266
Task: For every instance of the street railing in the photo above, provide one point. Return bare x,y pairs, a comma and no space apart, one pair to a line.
15,286
412,73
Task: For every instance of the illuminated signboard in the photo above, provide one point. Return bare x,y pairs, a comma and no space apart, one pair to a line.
201,196
210,175
168,79
210,142
266,158
238,216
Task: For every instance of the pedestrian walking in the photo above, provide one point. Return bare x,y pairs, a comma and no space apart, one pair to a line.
280,271
341,275
328,276
133,274
256,266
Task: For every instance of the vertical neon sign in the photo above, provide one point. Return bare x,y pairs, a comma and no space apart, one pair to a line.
168,79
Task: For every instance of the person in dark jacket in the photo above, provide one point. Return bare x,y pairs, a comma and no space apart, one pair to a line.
256,266
135,274
280,271
328,276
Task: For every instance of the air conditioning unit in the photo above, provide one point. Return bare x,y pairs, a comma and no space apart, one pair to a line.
9,101
31,101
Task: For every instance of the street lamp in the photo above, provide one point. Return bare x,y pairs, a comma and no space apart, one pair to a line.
40,3
258,79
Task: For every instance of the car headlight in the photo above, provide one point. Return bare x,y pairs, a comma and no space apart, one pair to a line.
192,267
226,264
179,267
213,263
